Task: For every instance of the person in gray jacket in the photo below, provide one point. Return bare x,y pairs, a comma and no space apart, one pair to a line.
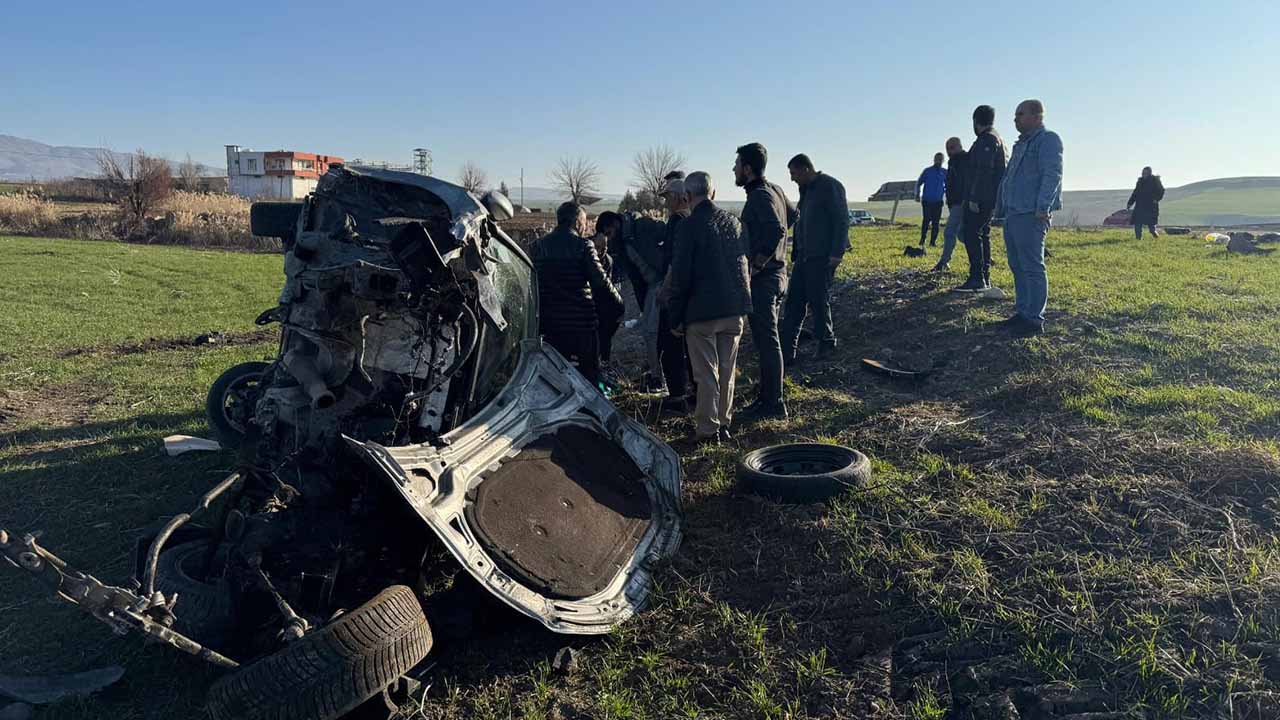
821,237
1030,192
710,297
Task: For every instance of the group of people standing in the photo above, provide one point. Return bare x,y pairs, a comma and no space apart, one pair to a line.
701,281
1024,189
703,276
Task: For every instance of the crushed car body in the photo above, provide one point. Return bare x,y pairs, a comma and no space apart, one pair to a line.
411,406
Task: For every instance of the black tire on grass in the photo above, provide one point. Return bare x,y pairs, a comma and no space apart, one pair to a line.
332,670
204,611
237,379
803,472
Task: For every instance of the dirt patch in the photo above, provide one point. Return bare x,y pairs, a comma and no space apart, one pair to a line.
211,339
51,406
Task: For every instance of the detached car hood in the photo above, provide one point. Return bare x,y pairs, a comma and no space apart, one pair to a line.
549,496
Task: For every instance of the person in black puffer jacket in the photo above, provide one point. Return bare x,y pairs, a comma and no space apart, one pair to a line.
573,290
1145,202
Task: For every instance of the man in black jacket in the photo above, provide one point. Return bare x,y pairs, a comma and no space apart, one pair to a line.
765,219
1145,202
955,201
985,169
673,356
573,290
821,238
709,298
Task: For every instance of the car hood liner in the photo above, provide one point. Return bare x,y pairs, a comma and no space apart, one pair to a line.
567,513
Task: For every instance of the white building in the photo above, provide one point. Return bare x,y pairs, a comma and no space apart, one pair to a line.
274,175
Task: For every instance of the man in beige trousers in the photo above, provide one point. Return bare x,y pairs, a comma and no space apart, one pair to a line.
710,298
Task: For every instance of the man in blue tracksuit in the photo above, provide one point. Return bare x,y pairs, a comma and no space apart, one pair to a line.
934,182
1030,192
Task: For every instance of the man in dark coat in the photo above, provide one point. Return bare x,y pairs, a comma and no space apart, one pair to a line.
1145,202
984,170
673,356
573,290
710,298
821,238
765,219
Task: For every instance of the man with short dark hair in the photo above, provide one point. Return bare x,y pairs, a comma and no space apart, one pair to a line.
1030,193
608,315
956,157
821,238
709,297
984,171
765,219
572,284
673,355
934,182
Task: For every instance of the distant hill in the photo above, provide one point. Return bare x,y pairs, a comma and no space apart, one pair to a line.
1221,203
22,160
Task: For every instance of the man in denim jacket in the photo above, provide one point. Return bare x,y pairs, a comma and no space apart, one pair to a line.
1029,194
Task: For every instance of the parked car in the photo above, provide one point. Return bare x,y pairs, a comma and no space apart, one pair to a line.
861,217
411,406
1119,218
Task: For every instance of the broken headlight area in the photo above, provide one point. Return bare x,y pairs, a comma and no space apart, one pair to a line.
410,407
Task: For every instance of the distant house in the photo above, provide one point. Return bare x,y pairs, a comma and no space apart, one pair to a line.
274,175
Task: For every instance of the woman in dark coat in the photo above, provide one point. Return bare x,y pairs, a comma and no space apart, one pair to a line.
1145,202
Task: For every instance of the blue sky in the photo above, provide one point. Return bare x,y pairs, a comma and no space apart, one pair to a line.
869,90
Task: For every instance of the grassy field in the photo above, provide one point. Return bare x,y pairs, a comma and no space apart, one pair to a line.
1083,522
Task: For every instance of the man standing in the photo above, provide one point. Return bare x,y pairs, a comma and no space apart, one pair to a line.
673,357
1145,202
573,288
821,238
1030,193
709,298
984,171
934,182
608,315
765,219
955,202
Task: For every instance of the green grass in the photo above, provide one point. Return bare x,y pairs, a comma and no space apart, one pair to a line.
1094,507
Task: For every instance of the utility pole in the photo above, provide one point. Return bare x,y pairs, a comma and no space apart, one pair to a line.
422,161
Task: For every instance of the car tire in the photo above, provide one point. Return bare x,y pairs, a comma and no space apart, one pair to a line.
802,472
222,417
332,670
204,611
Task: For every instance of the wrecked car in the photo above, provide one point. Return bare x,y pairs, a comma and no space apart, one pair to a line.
411,407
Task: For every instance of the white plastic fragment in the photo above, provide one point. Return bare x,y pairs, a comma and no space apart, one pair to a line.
178,444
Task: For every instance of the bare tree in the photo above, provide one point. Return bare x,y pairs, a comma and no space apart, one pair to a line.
137,184
473,178
188,174
578,178
651,167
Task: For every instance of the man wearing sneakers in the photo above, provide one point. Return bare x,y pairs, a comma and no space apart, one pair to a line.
955,202
1030,194
985,170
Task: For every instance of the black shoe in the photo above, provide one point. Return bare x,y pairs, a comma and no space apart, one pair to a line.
654,383
1026,328
764,411
1009,322
700,440
972,285
678,405
824,352
725,436
941,268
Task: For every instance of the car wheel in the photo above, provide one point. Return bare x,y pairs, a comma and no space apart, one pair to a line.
231,401
204,609
331,670
802,473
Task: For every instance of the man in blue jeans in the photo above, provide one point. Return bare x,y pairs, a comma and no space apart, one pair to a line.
1030,192
934,182
955,202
